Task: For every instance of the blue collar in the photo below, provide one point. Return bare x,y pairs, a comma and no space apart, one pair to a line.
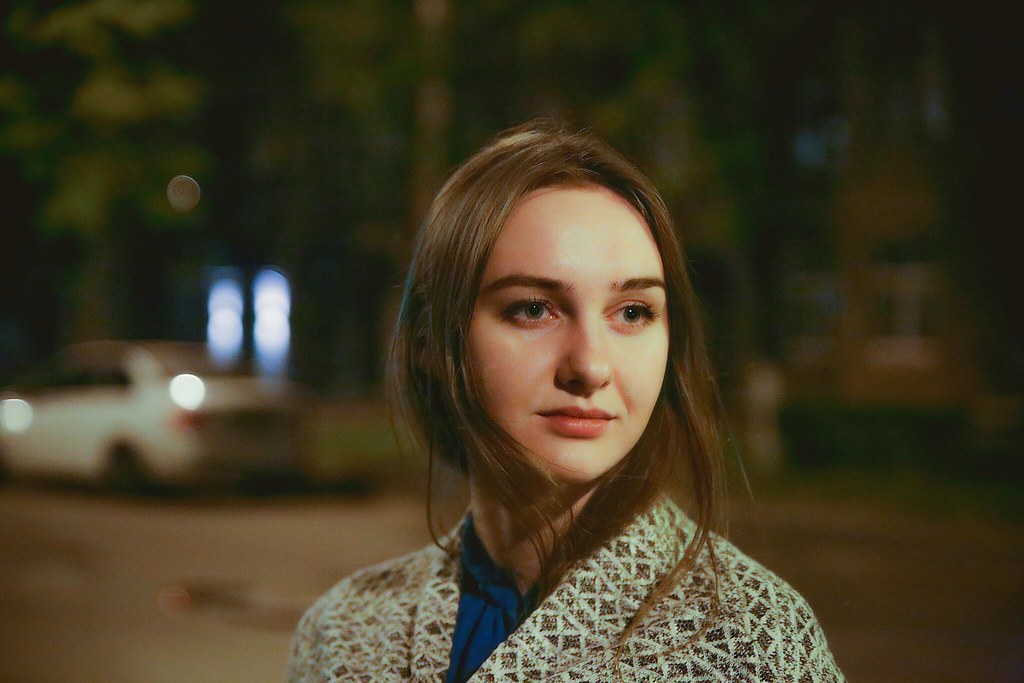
494,584
490,608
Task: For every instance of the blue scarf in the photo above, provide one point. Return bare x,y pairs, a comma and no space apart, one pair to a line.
490,608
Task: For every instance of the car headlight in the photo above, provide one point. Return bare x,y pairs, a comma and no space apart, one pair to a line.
15,415
188,391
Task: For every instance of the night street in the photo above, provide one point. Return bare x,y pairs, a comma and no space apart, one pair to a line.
256,259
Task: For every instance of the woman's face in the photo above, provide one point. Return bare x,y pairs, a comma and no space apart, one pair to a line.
569,335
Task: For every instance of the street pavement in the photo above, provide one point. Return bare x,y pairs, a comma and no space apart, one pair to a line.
95,587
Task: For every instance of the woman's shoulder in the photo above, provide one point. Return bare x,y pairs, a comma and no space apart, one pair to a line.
759,624
748,583
379,583
361,609
742,583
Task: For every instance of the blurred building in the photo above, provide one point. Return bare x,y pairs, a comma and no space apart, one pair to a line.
881,327
872,313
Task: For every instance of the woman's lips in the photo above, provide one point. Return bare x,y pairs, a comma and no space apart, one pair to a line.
576,423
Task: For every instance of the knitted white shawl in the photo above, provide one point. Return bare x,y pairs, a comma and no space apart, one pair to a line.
394,621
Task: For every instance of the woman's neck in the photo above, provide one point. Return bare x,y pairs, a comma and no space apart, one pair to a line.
511,544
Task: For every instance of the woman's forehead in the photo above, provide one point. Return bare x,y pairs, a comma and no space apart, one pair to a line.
576,231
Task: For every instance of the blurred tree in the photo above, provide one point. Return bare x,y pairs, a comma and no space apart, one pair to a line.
294,115
94,117
319,131
983,179
343,144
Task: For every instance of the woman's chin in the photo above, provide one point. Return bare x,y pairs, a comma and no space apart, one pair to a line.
574,475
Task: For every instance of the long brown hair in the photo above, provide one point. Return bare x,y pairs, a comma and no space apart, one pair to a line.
435,392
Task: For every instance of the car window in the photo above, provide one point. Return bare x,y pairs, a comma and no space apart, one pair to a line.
107,377
64,372
178,358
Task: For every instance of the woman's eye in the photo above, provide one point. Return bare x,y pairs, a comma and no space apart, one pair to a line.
534,310
637,314
528,311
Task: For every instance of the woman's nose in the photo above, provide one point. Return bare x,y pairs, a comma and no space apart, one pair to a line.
586,365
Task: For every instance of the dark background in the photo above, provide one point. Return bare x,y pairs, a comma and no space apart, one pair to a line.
845,177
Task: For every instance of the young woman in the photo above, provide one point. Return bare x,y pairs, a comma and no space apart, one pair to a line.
549,345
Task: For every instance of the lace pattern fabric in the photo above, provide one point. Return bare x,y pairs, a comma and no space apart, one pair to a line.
394,621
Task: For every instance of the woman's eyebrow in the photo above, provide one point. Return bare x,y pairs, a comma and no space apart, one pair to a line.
551,284
634,283
524,280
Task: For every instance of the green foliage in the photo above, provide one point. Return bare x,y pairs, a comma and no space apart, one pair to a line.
357,53
94,119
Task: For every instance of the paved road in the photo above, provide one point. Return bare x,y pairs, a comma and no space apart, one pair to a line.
99,588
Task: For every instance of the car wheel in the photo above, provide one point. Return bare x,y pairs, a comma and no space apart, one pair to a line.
125,473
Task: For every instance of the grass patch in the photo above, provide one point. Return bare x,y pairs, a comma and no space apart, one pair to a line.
355,440
911,490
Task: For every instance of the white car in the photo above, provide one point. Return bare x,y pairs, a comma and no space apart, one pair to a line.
128,413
